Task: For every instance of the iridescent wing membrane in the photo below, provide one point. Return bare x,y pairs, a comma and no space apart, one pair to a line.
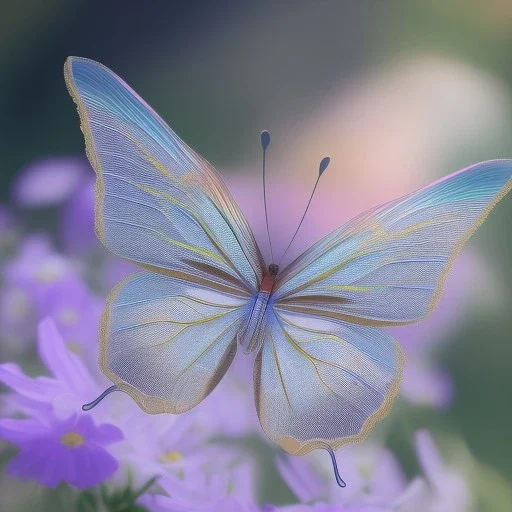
168,334
328,372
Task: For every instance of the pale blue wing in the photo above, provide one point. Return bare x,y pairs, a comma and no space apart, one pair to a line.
158,204
168,342
388,266
323,381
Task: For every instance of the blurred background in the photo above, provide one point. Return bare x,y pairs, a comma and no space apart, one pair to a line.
397,93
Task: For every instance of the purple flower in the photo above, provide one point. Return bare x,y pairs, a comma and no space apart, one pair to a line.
449,489
50,180
226,487
375,482
66,181
57,442
69,386
372,474
27,279
70,451
77,219
17,321
37,268
180,451
76,313
176,445
40,283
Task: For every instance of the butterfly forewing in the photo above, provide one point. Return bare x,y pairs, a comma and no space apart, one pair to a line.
388,266
158,203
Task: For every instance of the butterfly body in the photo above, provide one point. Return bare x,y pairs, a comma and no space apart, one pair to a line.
253,335
325,370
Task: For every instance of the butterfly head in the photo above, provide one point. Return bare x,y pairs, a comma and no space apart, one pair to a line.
273,269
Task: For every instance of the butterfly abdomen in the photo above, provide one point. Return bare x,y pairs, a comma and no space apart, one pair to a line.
251,337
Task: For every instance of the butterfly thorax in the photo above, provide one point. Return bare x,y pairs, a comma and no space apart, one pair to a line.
251,337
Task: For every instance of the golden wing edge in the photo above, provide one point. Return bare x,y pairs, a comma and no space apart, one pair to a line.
294,447
148,403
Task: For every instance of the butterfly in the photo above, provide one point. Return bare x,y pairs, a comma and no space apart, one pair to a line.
325,370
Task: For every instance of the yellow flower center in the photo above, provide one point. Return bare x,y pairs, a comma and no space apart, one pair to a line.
365,470
74,347
170,456
72,439
49,271
19,305
68,316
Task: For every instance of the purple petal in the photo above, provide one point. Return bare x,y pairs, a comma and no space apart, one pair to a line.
14,403
297,472
38,389
425,385
108,434
67,465
53,471
37,461
416,492
451,491
19,432
428,455
230,504
96,465
49,181
36,269
64,365
101,435
77,220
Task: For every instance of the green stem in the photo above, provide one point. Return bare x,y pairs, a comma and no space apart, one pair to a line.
144,488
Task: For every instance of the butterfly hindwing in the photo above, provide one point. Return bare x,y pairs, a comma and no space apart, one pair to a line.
167,341
323,381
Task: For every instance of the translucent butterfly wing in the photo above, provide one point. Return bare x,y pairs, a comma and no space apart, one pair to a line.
323,381
327,373
159,204
168,342
388,266
168,334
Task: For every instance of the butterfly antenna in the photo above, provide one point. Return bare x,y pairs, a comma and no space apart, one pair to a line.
330,451
322,167
265,141
95,402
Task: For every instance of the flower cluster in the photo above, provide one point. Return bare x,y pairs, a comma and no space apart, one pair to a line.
213,458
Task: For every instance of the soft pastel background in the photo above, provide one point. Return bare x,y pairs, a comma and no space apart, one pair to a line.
397,93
